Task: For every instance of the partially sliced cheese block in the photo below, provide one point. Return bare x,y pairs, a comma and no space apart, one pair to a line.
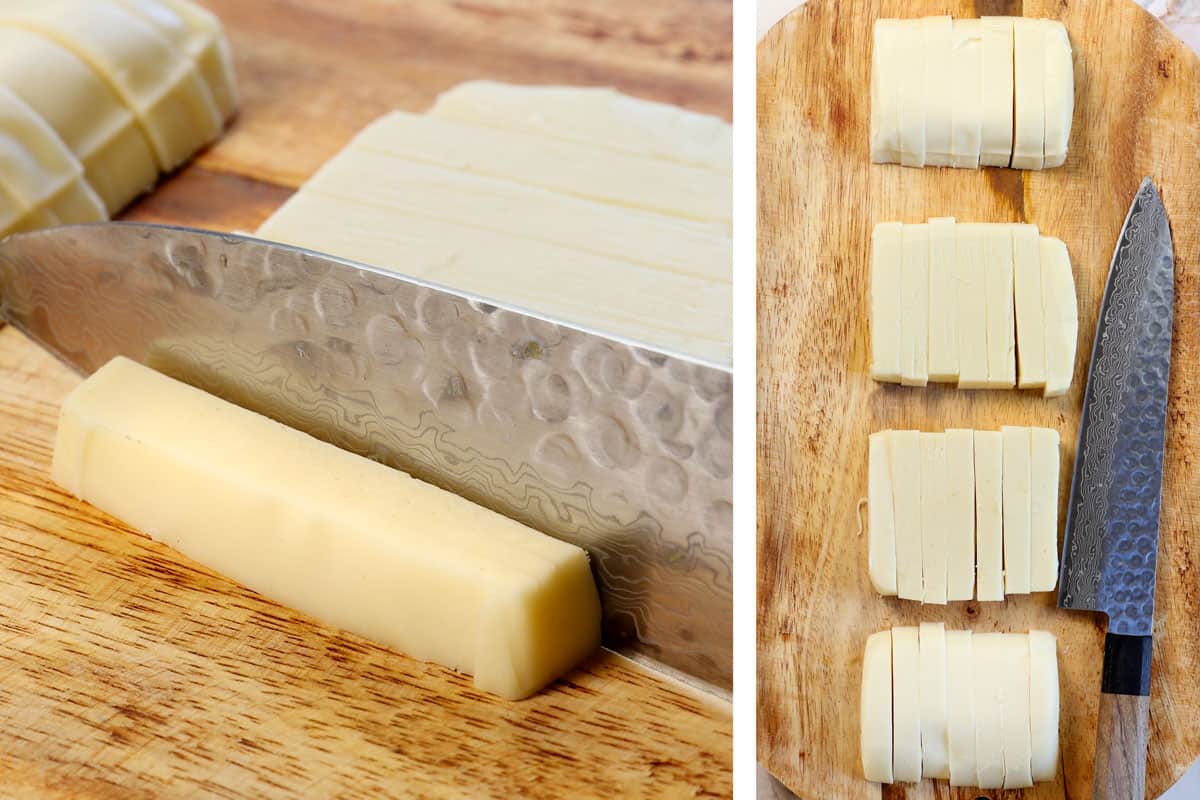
1058,92
966,97
885,92
342,538
934,491
875,714
910,64
988,665
886,301
989,526
996,91
960,514
1027,294
1043,705
904,450
881,533
970,281
1017,518
599,117
906,705
914,299
1029,75
1043,509
556,164
1014,710
937,35
960,709
943,302
1061,314
935,743
1001,337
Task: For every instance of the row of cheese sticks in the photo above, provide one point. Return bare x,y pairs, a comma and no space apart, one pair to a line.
996,91
978,709
98,97
981,305
963,514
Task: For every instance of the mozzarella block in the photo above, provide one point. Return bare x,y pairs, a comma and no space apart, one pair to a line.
1027,294
960,514
1058,92
881,534
1001,338
1043,509
173,106
935,743
886,301
598,117
943,304
970,273
914,299
937,36
966,78
1029,75
1017,517
934,499
906,705
910,63
1061,315
988,665
342,538
563,166
1043,705
1015,711
996,137
875,712
960,709
989,526
904,450
885,92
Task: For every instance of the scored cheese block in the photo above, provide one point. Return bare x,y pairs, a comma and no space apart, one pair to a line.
876,719
342,538
960,709
963,514
997,91
987,667
935,743
906,706
973,304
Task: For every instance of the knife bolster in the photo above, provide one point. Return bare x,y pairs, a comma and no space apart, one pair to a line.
1126,665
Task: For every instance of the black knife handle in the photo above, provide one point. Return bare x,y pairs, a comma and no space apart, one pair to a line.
1126,665
1124,720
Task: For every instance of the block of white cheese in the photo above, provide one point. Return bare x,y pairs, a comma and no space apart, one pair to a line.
970,273
989,524
885,92
906,705
1029,76
988,665
910,65
1061,314
1001,337
934,517
1043,705
943,301
937,40
886,308
960,709
1043,509
966,80
935,743
1058,91
914,299
996,138
342,538
1014,710
904,453
1027,295
599,117
1017,519
881,532
875,716
960,514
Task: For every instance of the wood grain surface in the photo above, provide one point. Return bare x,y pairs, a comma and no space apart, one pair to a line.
1137,113
127,671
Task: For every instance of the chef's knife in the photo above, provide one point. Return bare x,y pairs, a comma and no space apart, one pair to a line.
609,444
1111,542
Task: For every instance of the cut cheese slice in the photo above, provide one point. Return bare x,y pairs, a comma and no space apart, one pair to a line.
1059,91
996,91
910,63
1061,314
935,744
1017,517
562,166
906,705
885,92
960,515
943,303
1001,341
1014,710
937,34
934,500
1043,705
966,79
960,709
1027,294
597,117
881,533
886,301
875,712
1043,509
989,531
347,540
970,273
988,665
914,298
904,449
1029,73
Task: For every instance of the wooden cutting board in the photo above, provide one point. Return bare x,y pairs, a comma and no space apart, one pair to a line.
1137,113
127,671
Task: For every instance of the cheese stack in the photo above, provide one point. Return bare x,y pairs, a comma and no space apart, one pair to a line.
977,709
98,97
567,202
979,305
996,91
963,514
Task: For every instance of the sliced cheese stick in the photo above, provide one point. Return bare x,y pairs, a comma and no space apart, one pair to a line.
988,665
996,91
885,92
881,533
966,77
1001,339
598,117
354,543
1059,91
1014,710
1029,73
937,36
943,304
914,298
1027,294
1043,705
1043,509
989,531
911,66
875,710
906,705
960,514
904,450
934,502
960,709
935,743
1017,517
970,281
886,301
1061,314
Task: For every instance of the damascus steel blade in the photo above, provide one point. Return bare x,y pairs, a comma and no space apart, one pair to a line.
606,443
1111,543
